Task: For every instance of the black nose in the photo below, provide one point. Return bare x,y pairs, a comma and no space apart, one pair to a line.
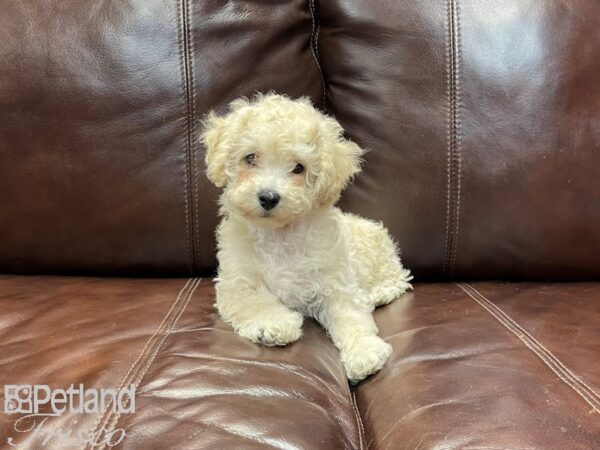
268,199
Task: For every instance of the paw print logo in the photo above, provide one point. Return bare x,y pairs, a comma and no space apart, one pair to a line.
17,399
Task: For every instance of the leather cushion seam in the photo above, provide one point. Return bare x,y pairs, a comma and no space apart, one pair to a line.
193,131
186,83
112,423
453,166
359,422
166,324
314,47
551,361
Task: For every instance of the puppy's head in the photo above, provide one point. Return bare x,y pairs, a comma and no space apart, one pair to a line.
277,159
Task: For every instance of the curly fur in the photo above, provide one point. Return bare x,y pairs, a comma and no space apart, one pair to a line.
304,257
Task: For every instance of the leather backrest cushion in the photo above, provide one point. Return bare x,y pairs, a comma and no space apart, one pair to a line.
482,119
101,170
483,124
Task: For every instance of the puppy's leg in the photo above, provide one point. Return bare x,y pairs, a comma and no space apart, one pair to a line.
256,314
394,281
354,333
378,265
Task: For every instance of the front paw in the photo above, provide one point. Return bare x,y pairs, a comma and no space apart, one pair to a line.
280,329
366,356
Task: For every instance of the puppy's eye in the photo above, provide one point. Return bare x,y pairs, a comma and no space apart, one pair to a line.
298,169
250,159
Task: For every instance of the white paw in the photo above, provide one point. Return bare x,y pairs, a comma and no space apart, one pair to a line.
281,329
365,357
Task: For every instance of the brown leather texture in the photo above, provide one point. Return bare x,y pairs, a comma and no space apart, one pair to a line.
481,365
483,121
487,365
100,162
199,385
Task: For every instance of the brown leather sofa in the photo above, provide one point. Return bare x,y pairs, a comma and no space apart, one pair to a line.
483,123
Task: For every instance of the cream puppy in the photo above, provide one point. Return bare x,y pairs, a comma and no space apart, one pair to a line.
284,250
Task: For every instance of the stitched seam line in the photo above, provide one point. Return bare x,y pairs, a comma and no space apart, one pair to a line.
314,47
449,89
103,418
457,133
551,361
113,422
193,134
522,332
359,422
189,109
453,168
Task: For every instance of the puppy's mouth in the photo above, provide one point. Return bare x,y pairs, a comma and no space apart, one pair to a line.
269,219
260,215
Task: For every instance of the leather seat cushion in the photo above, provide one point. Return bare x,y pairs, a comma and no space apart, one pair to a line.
488,365
198,383
483,365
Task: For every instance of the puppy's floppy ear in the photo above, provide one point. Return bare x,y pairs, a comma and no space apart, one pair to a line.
217,153
339,161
